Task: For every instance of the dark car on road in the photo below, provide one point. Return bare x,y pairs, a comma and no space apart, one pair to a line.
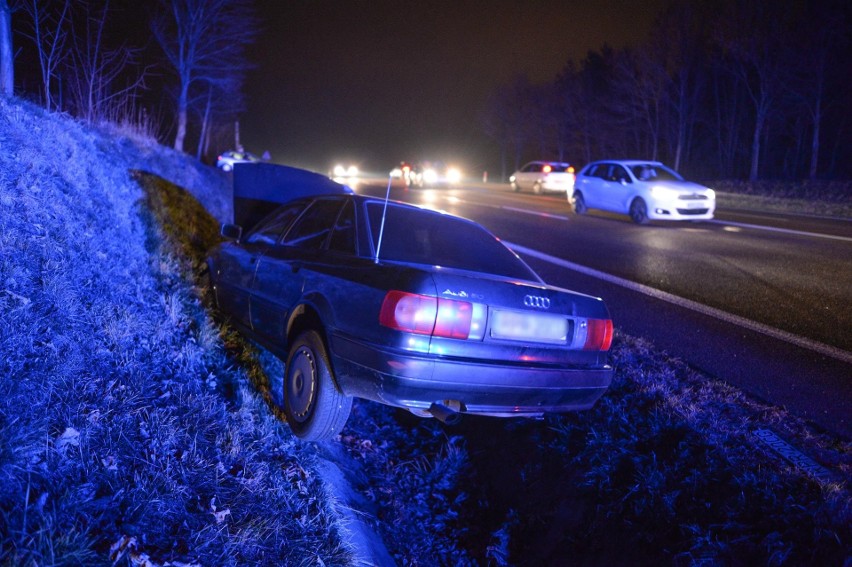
407,307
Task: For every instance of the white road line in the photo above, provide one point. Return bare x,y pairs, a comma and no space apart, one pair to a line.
784,230
803,342
536,213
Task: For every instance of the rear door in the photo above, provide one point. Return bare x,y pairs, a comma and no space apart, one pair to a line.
590,184
528,175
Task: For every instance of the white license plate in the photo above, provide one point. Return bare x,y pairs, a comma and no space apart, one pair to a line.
538,327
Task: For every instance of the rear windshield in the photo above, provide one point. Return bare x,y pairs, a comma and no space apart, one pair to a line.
427,237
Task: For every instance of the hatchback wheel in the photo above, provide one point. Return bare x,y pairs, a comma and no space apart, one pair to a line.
515,187
315,409
579,203
639,211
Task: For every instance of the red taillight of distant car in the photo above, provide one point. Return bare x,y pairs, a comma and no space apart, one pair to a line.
547,169
598,334
426,315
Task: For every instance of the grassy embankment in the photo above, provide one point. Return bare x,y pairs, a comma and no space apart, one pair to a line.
129,430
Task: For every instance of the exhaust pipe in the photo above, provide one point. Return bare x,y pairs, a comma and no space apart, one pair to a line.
444,414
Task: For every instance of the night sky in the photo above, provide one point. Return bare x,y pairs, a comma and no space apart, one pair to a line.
380,81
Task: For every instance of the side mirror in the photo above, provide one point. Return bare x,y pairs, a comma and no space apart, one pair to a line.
232,231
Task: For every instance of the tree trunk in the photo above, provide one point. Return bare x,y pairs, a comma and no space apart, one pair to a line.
812,173
205,124
182,115
7,60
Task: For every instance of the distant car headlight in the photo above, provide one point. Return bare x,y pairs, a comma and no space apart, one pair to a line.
430,175
339,170
711,194
453,175
352,171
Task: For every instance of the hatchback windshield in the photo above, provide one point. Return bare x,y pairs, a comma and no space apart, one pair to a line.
427,237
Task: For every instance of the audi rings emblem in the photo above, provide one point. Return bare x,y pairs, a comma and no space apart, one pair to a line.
537,302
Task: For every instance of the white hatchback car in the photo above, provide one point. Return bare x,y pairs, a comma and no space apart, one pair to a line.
543,176
645,190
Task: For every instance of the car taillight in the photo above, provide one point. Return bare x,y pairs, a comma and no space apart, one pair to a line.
570,169
426,315
598,334
546,169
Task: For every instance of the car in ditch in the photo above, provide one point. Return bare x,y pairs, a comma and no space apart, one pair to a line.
645,190
405,306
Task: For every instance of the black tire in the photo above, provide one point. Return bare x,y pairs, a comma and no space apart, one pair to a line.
639,211
515,187
537,188
579,203
315,409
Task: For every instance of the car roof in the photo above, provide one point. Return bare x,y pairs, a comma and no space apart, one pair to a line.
628,161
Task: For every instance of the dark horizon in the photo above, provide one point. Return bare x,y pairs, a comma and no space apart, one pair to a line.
374,84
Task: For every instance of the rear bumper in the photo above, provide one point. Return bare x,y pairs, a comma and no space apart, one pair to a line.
415,381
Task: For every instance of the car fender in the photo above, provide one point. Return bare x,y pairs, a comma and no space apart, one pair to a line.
312,310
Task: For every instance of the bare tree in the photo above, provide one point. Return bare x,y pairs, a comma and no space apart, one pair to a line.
49,35
97,68
751,35
204,41
7,57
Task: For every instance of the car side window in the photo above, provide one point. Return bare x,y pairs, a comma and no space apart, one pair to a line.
313,227
270,229
343,237
532,167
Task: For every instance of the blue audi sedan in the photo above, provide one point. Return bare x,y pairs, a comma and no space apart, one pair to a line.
409,307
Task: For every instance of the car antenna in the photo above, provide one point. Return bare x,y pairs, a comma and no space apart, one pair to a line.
384,214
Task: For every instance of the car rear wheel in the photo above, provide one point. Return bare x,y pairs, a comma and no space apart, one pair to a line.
579,203
537,188
639,211
515,187
315,409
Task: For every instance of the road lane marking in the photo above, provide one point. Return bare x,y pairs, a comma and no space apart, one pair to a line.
713,221
783,230
803,342
536,213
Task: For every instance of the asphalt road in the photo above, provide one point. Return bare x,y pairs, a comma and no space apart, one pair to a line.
762,301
